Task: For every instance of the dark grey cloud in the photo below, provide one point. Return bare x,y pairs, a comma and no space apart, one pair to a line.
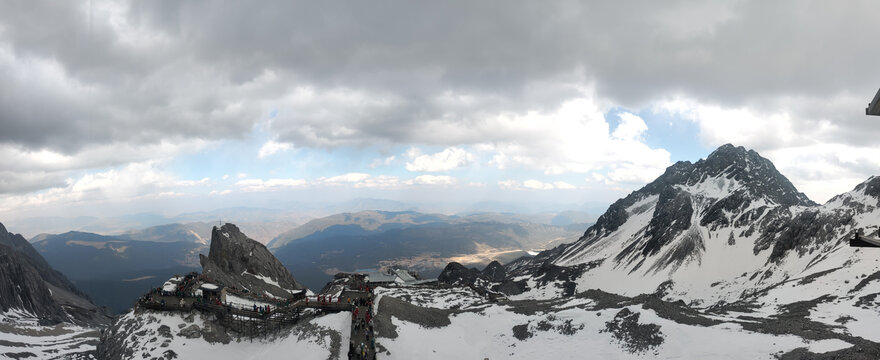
151,71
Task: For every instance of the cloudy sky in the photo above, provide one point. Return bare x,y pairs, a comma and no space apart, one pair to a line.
109,107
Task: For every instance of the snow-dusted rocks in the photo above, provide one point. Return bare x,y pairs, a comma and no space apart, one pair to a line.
457,323
236,260
193,335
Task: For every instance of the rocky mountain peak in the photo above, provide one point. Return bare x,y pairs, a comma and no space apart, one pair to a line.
755,173
731,177
732,187
237,260
870,187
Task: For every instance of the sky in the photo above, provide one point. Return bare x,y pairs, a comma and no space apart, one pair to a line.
110,107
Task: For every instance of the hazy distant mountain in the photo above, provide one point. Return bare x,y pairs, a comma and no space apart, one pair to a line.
83,255
191,232
366,220
425,242
363,204
110,261
244,214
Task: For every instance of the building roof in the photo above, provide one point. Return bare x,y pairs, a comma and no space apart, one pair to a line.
403,275
209,286
378,277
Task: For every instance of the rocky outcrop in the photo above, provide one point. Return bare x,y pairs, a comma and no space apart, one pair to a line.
28,283
19,244
21,287
493,278
236,260
457,274
494,272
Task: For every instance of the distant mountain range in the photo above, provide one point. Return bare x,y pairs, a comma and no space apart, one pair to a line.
262,224
424,242
114,270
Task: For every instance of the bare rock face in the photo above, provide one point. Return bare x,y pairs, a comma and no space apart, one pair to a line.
28,283
458,274
494,272
22,288
237,260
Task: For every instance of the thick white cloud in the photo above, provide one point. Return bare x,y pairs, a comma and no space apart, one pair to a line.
131,182
271,147
448,159
433,180
270,184
537,185
346,178
574,138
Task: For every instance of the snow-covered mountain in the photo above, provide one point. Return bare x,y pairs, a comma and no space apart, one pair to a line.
720,229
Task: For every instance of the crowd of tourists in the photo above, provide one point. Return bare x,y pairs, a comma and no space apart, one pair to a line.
362,324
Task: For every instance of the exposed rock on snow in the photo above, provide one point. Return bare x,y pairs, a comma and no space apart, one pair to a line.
455,273
635,337
151,334
494,272
601,324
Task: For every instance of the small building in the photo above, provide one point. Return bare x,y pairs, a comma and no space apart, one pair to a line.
213,292
394,276
377,278
297,295
404,275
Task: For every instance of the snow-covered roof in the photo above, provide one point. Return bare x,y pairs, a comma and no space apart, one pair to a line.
403,275
419,282
209,286
380,277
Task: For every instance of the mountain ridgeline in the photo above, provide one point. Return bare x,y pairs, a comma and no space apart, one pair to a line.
734,177
718,229
422,242
28,283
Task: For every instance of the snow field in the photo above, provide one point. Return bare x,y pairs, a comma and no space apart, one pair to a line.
301,345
